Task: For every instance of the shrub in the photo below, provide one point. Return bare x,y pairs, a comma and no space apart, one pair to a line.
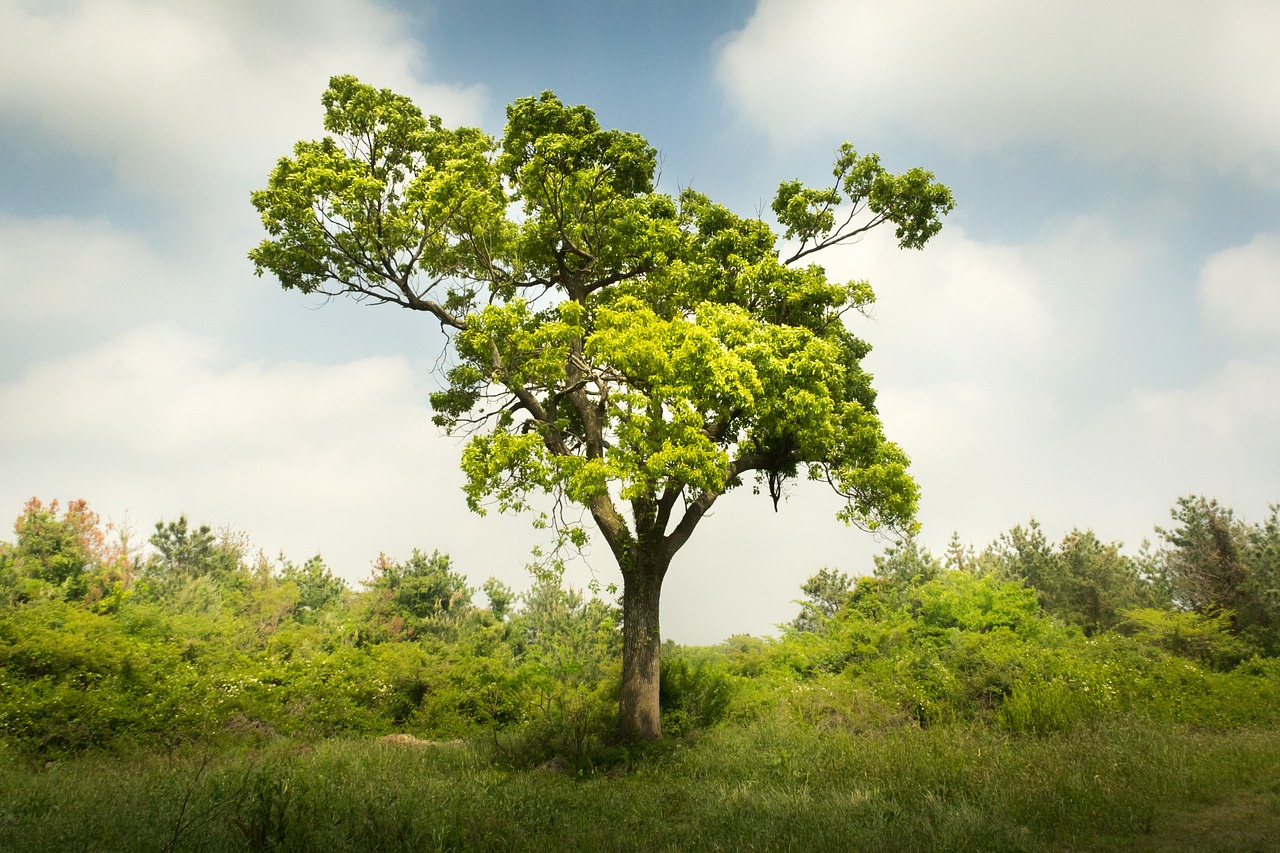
693,693
1206,638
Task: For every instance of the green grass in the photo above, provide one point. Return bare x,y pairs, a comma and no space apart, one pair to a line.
768,786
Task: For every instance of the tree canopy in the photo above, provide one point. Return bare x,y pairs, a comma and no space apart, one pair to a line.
620,349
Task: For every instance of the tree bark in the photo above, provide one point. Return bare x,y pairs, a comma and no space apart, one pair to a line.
640,717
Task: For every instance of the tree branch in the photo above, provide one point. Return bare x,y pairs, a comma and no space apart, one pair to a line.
837,237
699,506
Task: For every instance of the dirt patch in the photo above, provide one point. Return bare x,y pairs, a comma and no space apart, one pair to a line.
408,740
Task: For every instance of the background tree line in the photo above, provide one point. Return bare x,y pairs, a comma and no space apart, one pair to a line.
107,645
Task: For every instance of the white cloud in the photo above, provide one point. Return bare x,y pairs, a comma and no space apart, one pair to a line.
1240,288
192,102
964,313
1215,437
63,272
1233,410
1010,373
1190,85
342,459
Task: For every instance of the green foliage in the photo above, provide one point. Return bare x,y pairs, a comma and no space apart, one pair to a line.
75,680
1205,565
1207,639
70,557
245,653
500,597
941,646
932,709
51,550
826,593
423,595
906,563
8,576
567,646
184,554
746,655
835,703
1216,563
942,649
1082,581
912,201
1261,612
696,690
318,588
961,601
1127,785
211,647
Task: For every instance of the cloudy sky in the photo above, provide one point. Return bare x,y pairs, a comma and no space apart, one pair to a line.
1095,333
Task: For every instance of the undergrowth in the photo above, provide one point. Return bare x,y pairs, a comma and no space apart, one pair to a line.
774,784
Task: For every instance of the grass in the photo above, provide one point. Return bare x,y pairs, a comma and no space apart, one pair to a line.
1124,785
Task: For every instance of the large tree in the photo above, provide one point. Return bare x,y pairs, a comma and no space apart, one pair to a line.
629,352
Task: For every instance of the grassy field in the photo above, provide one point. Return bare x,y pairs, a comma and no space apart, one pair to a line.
1123,785
921,708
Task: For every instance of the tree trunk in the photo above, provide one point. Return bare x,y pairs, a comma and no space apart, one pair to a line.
639,715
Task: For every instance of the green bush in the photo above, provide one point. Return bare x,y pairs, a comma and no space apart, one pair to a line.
836,703
1207,638
694,694
1044,706
73,680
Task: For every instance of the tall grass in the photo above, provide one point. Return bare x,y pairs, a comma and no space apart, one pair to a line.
769,785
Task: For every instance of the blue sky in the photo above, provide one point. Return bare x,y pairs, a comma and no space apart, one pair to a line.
1095,332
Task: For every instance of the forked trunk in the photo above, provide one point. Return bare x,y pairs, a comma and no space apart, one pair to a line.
640,717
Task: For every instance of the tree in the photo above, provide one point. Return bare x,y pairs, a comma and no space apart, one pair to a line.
422,594
74,554
1206,563
500,597
906,563
184,553
1263,584
1096,584
825,593
1082,581
623,351
1217,563
55,550
318,587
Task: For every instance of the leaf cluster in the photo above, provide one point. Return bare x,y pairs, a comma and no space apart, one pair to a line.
610,342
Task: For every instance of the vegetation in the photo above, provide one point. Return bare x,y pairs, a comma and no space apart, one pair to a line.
628,353
765,786
1028,696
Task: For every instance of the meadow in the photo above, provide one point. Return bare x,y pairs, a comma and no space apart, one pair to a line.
770,785
1034,695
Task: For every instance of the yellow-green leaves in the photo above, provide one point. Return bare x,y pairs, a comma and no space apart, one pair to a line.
387,207
870,473
608,341
806,212
522,348
590,213
392,122
503,467
913,202
676,377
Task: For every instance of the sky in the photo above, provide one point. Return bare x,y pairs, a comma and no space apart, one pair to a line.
1095,332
